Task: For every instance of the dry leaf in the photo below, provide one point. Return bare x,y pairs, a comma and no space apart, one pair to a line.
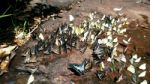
6,51
4,65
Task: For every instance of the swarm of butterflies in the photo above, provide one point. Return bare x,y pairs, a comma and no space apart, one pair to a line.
96,32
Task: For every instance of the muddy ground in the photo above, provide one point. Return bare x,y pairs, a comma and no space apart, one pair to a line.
57,71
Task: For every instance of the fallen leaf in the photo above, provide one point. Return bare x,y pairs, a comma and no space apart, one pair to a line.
6,51
4,65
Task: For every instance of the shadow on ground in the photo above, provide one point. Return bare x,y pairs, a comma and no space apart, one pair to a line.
20,11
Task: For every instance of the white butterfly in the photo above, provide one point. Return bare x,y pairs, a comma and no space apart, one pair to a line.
110,37
143,66
144,82
41,36
109,59
122,31
110,44
134,57
123,58
30,79
142,74
126,42
115,40
117,9
131,69
102,66
71,18
138,59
